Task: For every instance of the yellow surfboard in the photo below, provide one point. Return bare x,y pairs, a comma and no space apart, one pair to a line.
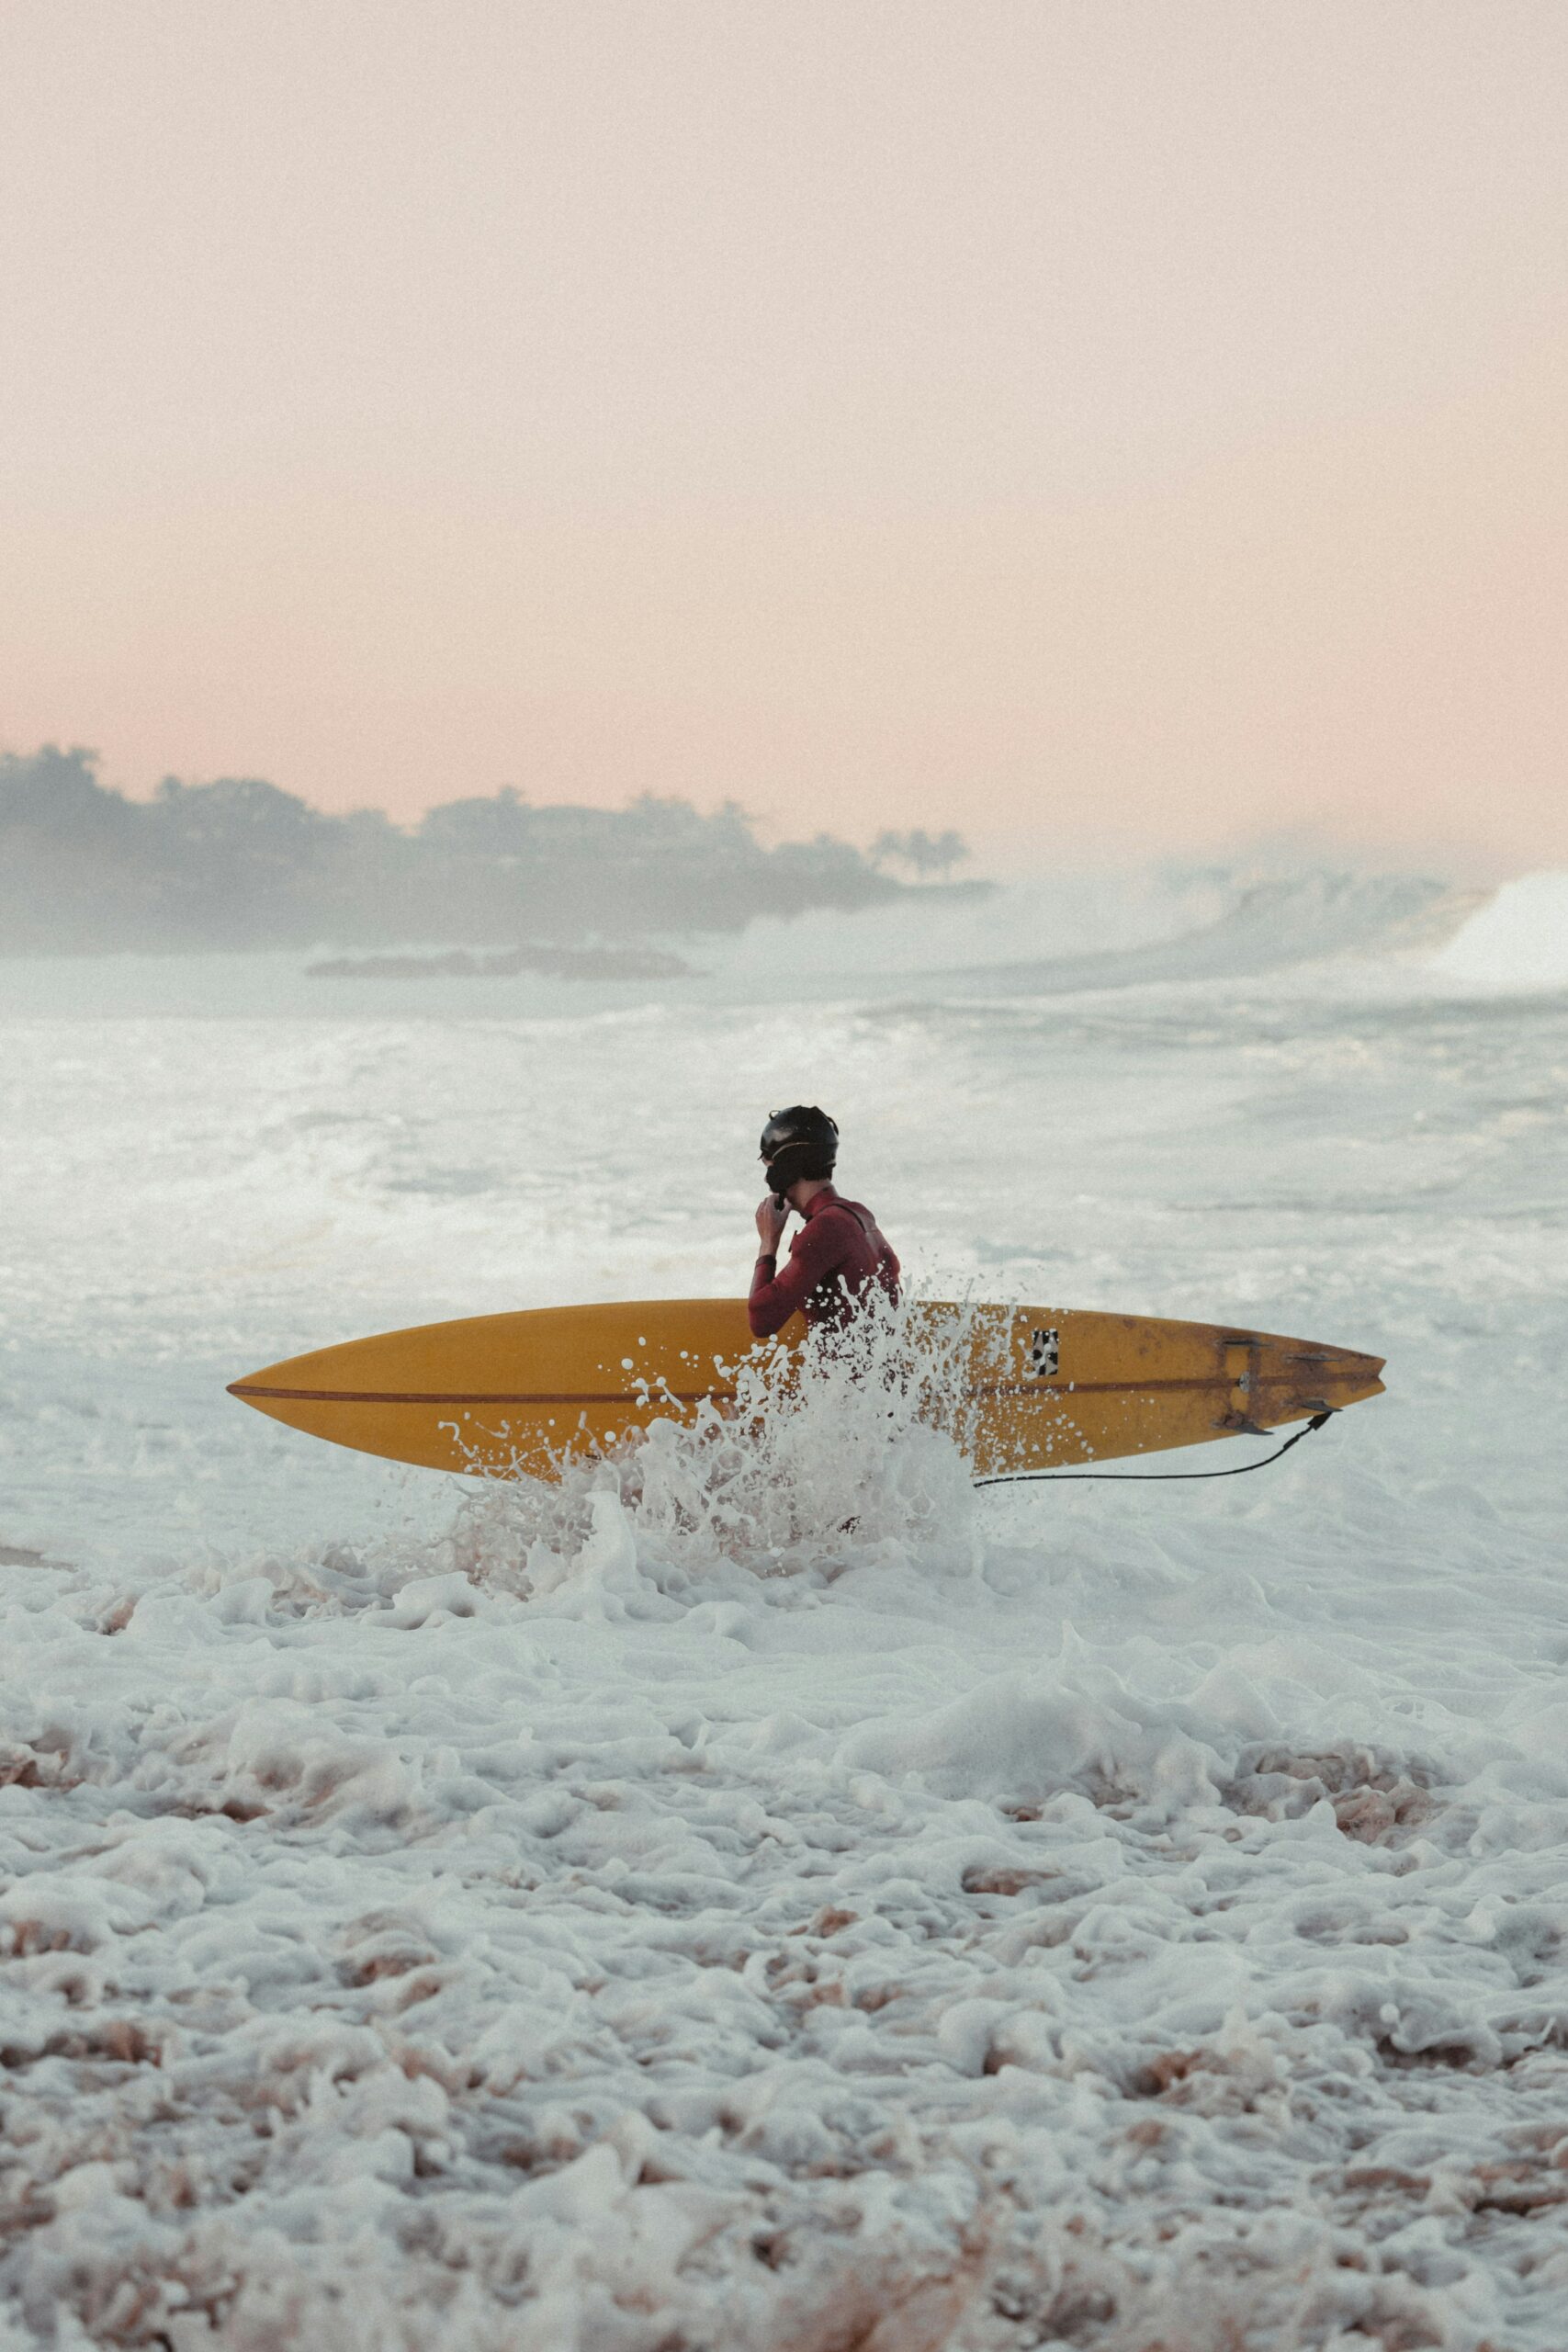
1021,1387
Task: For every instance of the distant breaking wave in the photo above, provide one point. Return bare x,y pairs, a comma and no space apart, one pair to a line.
1271,925
1517,939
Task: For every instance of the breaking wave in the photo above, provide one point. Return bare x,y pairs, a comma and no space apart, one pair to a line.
1517,940
1264,924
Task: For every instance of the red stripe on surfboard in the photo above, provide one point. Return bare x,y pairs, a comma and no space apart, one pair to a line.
421,1396
696,1396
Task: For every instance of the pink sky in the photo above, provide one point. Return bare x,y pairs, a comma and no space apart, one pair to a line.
1093,425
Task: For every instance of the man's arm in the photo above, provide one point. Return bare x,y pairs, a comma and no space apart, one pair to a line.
818,1250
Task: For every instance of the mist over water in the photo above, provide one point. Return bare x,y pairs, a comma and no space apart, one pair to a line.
763,1889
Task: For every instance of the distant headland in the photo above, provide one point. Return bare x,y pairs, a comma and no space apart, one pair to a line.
240,864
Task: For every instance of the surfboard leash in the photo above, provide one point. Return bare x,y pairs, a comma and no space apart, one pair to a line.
1156,1478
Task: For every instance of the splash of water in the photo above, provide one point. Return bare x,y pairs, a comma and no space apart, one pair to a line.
849,1446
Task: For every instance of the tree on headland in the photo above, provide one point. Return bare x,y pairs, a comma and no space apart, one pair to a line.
498,824
924,854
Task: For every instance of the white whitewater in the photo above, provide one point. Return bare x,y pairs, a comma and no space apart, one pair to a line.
770,1895
1517,940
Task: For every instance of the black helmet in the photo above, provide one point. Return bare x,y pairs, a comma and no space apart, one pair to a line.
800,1142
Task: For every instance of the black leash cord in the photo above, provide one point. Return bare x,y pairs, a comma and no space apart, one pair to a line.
1157,1477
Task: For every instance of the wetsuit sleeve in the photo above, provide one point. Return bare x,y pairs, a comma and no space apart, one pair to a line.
819,1251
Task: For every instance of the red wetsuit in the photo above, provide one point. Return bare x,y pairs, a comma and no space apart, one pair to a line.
836,1252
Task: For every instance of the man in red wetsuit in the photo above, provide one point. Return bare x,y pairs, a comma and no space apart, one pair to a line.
838,1255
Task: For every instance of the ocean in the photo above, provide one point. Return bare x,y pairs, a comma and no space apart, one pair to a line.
554,1919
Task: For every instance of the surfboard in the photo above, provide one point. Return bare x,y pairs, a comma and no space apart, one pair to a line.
1021,1387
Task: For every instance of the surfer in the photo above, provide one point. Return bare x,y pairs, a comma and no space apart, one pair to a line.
839,1253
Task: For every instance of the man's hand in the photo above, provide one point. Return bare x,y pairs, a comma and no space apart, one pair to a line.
771,1222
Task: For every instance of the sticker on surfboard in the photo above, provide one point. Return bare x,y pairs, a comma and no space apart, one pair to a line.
1045,1355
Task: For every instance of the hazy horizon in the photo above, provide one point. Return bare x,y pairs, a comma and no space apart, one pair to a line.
1290,848
1110,433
